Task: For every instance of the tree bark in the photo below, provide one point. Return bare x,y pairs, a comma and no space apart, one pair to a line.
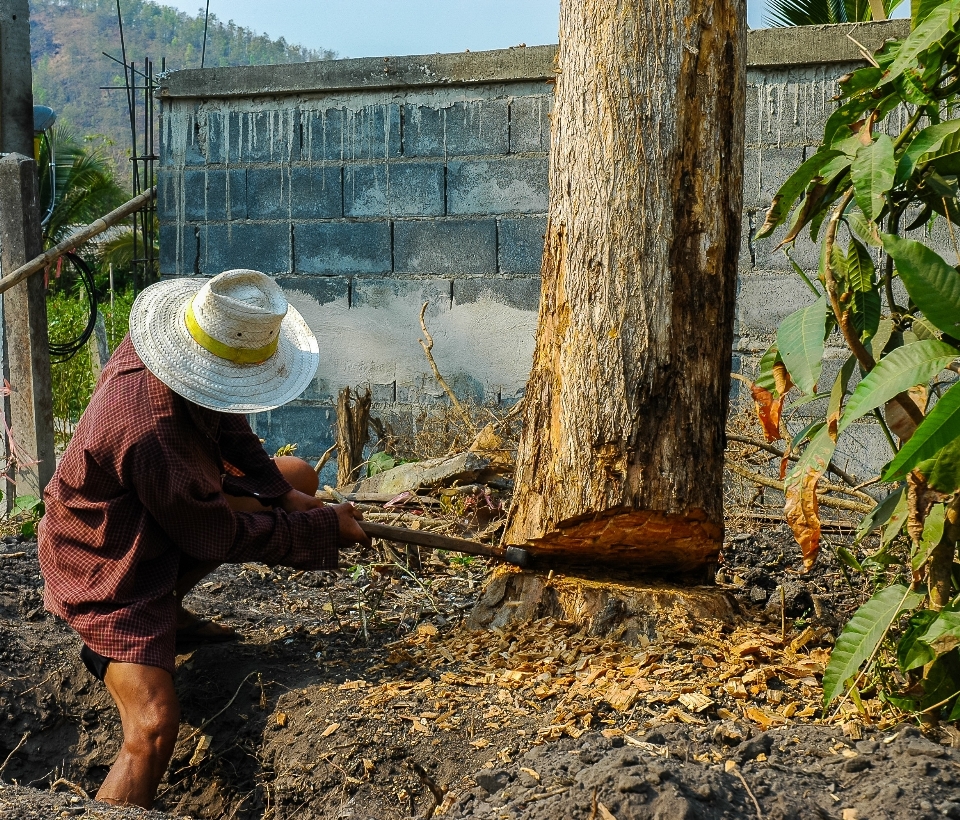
353,419
621,459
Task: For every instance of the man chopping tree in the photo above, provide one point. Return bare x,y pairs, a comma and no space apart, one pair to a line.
163,481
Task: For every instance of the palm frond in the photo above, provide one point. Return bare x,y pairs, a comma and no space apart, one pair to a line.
805,12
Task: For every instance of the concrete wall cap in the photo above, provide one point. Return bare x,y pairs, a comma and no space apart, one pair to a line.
799,45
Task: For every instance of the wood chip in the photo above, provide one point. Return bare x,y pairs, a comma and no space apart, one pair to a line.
281,719
330,730
605,813
532,772
695,702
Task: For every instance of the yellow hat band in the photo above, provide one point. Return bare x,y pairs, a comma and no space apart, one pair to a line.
237,355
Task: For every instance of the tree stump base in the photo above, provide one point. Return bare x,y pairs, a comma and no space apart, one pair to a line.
622,609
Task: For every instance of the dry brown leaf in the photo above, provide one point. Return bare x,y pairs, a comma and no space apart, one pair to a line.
920,498
768,412
801,508
898,420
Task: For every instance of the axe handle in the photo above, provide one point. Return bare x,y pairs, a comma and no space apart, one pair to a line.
429,539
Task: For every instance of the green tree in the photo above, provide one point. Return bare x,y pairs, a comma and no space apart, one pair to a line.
871,187
821,12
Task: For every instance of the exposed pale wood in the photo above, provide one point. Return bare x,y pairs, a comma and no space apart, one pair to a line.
353,419
621,458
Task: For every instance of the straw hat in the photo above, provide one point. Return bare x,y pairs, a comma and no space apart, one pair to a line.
232,344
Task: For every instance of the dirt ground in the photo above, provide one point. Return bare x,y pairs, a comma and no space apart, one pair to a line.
363,695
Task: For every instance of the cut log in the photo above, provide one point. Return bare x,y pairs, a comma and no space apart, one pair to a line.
621,457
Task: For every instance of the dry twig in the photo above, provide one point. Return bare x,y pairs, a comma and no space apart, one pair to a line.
756,805
427,348
827,501
26,736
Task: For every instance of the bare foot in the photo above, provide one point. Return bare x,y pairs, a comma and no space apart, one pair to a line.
192,629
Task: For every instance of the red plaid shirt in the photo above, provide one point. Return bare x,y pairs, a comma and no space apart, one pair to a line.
142,483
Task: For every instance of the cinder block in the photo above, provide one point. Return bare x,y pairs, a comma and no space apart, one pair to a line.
176,255
309,426
268,192
262,247
342,247
522,292
765,299
389,292
167,189
394,189
370,132
259,135
462,129
206,196
183,138
316,192
497,186
445,246
520,244
530,124
320,289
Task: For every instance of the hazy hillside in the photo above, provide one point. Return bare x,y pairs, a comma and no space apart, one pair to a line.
68,36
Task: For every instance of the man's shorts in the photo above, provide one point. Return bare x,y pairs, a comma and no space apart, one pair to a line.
95,662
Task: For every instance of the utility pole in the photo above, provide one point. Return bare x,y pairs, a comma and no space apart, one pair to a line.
26,346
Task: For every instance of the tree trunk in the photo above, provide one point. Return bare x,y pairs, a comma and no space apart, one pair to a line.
621,459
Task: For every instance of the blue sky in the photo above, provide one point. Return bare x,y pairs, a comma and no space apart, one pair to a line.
376,28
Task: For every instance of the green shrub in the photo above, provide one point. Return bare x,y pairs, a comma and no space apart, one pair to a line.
73,379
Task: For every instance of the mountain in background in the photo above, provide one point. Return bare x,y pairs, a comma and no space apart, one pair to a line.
67,38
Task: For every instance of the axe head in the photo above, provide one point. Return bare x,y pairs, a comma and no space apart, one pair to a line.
516,556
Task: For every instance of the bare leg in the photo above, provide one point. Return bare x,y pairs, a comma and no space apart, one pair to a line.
150,716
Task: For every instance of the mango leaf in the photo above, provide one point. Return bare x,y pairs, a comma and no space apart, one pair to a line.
921,10
935,27
894,525
859,267
800,342
943,635
849,559
911,651
792,188
860,80
927,140
941,473
866,312
932,533
947,165
862,635
865,229
924,329
765,375
880,339
880,514
941,681
872,173
818,198
807,432
801,506
939,428
837,392
899,370
838,125
933,285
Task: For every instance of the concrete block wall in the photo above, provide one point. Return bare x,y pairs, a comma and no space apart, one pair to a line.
370,186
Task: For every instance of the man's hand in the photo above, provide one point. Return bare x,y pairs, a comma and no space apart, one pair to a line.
296,501
350,531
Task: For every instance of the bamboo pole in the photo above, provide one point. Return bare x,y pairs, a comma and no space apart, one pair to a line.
38,263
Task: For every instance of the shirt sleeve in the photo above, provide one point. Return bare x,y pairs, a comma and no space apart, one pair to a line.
241,448
176,476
